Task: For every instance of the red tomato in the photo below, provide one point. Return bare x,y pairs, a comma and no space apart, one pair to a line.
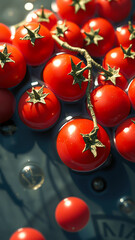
76,11
72,214
70,145
42,111
114,11
5,34
7,105
125,139
99,36
111,105
115,58
12,66
44,16
35,43
124,37
131,93
120,81
68,32
60,82
27,234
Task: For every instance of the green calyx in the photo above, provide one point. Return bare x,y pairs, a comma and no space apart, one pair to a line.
32,35
4,57
92,142
37,96
79,4
60,29
44,17
131,29
93,37
77,73
133,121
112,74
127,52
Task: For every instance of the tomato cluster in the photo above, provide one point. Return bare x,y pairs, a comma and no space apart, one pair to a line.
65,79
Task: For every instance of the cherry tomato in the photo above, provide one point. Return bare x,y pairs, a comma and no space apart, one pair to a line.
125,36
35,42
68,32
44,16
12,66
39,108
72,214
131,93
27,234
114,10
7,104
111,105
99,36
115,58
5,33
70,145
125,139
120,81
76,11
60,82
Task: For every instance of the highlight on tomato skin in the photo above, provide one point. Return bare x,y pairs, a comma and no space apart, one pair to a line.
27,233
72,214
70,145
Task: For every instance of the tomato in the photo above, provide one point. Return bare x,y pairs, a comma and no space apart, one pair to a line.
99,36
12,66
72,214
39,109
35,42
76,11
125,139
60,82
7,105
120,81
131,93
125,36
111,105
70,145
27,234
68,32
5,33
114,10
44,16
115,58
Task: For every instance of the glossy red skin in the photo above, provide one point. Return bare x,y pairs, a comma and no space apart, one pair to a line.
131,93
7,105
60,82
111,105
122,37
125,139
114,11
32,17
43,48
72,214
115,58
12,73
5,34
66,11
106,31
70,145
27,234
120,81
39,116
72,36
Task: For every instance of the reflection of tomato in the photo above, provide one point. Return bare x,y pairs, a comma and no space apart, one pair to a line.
5,33
111,104
131,93
7,105
72,214
60,82
125,139
70,145
43,113
27,234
